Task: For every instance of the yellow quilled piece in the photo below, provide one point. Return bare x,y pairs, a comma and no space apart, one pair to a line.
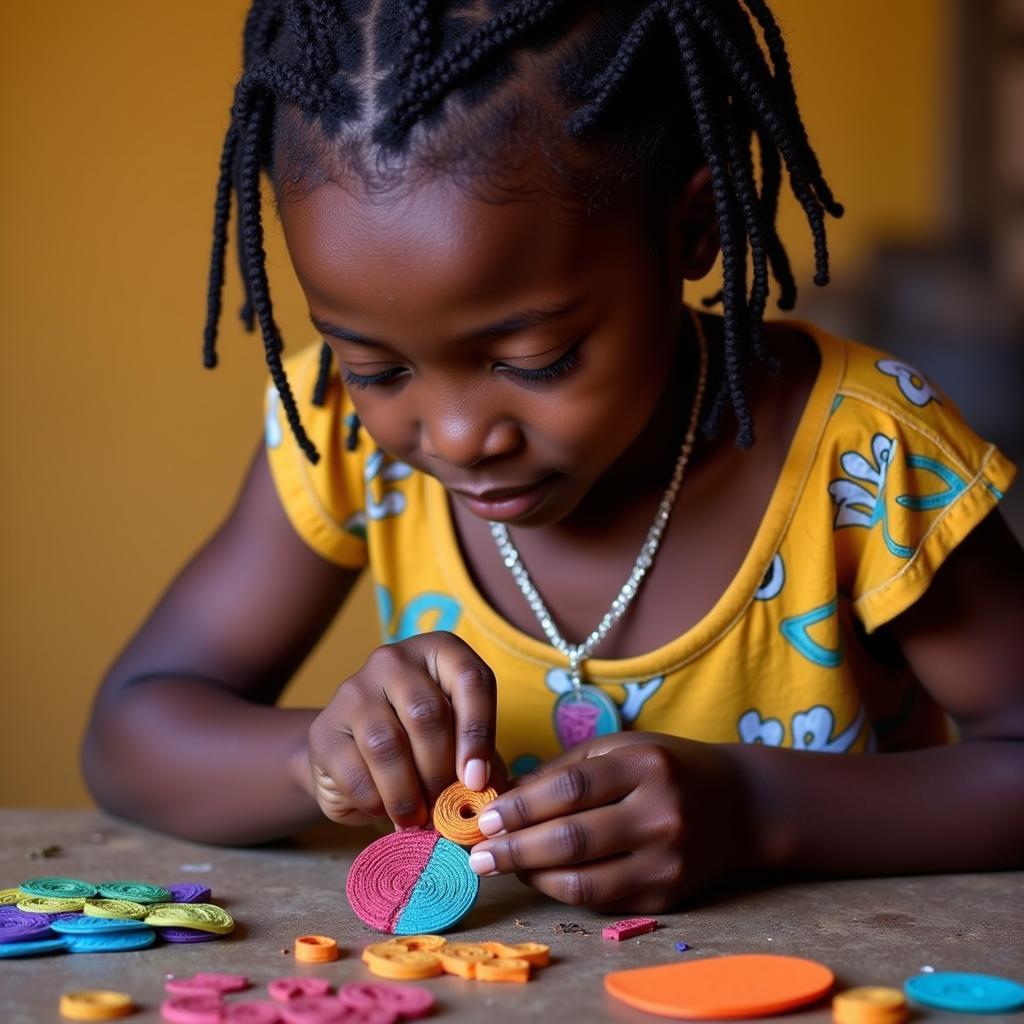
512,969
870,1005
122,909
95,1004
461,958
316,949
535,953
456,811
8,897
422,943
49,905
204,916
388,960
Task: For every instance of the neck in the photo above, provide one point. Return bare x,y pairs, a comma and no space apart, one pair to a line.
641,474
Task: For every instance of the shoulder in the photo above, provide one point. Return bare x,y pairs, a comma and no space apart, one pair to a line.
903,477
323,500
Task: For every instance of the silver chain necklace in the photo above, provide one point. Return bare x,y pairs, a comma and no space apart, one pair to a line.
577,653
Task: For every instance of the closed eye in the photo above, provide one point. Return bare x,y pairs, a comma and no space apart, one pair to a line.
539,374
369,380
559,368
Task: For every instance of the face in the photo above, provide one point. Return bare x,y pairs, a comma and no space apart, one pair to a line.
511,351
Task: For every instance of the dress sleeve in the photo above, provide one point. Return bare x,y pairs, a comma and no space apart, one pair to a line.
324,502
909,481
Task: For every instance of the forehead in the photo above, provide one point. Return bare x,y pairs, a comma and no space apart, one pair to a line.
437,246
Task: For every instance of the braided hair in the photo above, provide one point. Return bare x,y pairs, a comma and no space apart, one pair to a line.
617,94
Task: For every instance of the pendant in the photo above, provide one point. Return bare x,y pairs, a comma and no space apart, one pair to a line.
583,712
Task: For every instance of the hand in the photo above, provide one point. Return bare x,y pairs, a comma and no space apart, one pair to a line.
633,822
395,732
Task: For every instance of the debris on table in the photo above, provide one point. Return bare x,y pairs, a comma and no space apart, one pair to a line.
44,852
569,928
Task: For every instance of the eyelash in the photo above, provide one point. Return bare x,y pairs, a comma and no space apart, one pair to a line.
542,374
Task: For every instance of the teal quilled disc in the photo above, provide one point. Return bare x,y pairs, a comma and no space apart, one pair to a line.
116,942
59,888
965,993
32,947
444,894
135,892
87,925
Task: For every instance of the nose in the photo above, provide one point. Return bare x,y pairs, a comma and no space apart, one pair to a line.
463,432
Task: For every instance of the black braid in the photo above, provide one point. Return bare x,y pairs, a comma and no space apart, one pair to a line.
753,78
221,214
305,79
419,25
426,89
249,112
784,77
323,376
604,85
733,266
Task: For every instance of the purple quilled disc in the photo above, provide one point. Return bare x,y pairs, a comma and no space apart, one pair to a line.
186,935
189,892
26,926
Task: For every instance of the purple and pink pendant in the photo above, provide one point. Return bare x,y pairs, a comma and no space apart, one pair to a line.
583,712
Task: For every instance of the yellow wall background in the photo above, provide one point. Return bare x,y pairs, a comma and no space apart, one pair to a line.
119,452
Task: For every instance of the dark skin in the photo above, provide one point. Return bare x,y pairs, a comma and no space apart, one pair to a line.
637,821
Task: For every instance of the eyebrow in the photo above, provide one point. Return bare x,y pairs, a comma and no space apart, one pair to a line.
521,321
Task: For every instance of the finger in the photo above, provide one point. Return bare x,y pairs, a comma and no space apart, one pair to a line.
426,716
591,885
385,749
575,787
575,839
343,786
469,684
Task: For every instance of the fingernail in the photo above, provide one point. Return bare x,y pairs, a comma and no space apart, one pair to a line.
490,823
482,863
475,774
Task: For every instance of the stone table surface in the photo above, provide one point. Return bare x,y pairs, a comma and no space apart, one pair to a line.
869,932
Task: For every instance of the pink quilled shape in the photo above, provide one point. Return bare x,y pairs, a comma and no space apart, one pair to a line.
628,928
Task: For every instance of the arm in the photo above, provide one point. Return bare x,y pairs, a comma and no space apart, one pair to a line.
638,822
951,808
184,736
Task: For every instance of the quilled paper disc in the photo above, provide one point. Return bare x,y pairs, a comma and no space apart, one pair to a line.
411,882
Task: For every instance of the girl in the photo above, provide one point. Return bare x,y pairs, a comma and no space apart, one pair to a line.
815,662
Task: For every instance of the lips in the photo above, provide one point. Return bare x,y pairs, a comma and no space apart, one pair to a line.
496,492
505,503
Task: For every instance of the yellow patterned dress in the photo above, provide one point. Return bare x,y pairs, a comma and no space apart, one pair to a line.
883,479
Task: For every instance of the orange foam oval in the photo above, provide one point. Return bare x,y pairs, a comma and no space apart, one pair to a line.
749,985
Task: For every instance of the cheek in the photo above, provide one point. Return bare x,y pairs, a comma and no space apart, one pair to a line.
385,423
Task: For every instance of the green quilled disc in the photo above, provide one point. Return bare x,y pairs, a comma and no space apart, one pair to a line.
45,905
59,888
202,916
123,909
134,892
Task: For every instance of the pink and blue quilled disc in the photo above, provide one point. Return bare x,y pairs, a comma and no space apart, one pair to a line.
411,883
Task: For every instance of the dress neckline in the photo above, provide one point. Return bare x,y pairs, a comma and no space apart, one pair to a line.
733,601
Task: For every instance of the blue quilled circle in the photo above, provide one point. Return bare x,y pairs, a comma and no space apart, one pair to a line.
115,942
965,993
87,925
32,947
